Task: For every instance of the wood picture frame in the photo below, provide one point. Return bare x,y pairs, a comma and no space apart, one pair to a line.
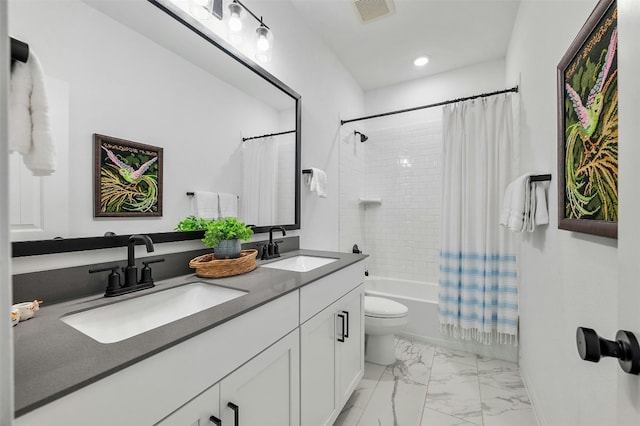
588,127
127,178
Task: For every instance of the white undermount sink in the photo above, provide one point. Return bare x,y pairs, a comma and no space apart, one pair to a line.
300,263
121,320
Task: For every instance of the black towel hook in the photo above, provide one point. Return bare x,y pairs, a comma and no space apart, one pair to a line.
19,50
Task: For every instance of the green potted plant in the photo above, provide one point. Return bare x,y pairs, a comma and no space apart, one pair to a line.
223,235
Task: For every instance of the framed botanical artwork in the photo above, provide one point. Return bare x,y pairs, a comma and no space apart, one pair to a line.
128,178
588,127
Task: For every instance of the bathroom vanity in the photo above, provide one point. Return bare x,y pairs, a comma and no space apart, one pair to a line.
288,352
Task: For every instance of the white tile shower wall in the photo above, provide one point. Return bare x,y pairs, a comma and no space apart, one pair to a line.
352,223
403,167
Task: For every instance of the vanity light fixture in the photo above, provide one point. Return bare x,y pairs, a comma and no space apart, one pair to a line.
421,61
264,36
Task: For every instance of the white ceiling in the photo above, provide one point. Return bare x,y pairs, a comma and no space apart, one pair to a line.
452,33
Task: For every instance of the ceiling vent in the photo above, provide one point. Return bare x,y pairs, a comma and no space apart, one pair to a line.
370,10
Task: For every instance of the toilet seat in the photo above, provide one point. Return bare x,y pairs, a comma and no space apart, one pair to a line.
378,307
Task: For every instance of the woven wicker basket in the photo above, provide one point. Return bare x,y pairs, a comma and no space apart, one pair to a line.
207,266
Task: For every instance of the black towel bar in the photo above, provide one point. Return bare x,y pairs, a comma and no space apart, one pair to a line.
191,194
540,178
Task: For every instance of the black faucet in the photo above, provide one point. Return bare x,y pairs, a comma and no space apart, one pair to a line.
131,270
131,283
272,250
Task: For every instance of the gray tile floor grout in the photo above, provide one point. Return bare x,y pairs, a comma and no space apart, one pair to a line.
430,385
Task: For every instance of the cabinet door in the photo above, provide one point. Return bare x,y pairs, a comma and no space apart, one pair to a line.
350,353
198,411
317,369
266,390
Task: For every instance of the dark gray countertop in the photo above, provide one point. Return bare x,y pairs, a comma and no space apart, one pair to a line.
52,359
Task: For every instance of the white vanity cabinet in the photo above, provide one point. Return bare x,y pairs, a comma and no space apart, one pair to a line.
153,389
350,353
331,344
264,391
291,362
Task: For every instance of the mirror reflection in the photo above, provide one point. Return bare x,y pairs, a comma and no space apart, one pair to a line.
128,70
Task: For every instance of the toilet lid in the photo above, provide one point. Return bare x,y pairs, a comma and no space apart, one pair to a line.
383,308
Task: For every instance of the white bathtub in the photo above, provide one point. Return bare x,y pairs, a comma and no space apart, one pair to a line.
422,300
420,297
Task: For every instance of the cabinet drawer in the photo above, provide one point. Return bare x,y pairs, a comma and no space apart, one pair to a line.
323,292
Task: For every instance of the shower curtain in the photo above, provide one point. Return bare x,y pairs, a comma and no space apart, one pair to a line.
260,181
478,292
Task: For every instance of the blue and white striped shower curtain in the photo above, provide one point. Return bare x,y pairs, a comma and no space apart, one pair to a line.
478,294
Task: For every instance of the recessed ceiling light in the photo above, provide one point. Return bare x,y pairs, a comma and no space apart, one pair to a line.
421,61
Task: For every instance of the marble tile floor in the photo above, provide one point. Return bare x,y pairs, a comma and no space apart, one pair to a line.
433,386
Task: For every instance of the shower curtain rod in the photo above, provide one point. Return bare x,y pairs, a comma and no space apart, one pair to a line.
266,136
452,101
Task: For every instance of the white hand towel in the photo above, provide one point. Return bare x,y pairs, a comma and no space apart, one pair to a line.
519,203
228,205
318,182
529,223
541,215
30,128
205,204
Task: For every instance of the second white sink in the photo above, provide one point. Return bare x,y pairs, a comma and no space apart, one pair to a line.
300,263
121,320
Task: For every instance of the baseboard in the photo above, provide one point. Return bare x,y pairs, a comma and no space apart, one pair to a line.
503,352
532,398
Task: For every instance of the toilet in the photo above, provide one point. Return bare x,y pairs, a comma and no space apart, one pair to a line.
382,319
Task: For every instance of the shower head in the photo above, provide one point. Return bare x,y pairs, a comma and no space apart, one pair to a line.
363,137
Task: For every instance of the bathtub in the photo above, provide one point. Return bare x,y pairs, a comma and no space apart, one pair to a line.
422,300
420,297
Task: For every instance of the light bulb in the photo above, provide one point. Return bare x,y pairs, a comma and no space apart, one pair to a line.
263,43
235,22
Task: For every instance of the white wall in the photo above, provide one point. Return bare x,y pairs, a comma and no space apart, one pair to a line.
628,408
567,279
329,92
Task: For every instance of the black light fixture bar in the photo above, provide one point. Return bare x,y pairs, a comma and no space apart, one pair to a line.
251,13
